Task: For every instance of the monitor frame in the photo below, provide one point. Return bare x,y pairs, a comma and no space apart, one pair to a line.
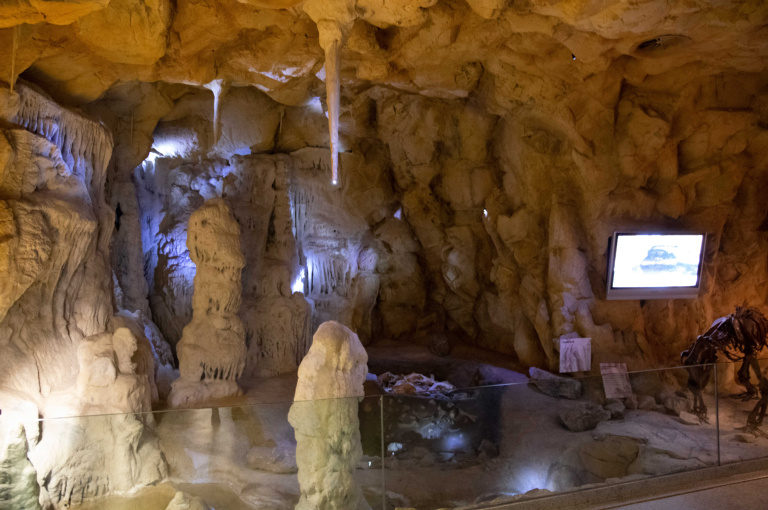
642,293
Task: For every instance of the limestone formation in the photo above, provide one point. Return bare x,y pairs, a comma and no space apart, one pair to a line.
18,486
55,239
183,501
64,352
324,417
279,318
364,291
583,416
114,374
115,450
212,348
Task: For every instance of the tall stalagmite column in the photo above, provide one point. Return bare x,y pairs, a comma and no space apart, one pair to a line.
212,346
324,417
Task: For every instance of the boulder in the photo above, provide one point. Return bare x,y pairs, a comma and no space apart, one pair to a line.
646,403
555,386
631,402
688,418
584,416
616,409
677,405
277,459
183,501
610,457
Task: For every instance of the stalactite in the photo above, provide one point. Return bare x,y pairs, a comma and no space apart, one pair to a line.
78,138
13,56
330,41
219,88
328,274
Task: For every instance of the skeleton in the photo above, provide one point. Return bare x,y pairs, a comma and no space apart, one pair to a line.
740,336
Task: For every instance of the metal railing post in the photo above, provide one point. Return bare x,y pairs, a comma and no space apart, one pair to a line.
717,416
383,476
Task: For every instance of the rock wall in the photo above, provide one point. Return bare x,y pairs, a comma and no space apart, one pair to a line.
64,352
300,235
490,227
56,288
513,139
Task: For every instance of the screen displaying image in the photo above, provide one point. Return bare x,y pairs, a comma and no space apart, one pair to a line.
657,260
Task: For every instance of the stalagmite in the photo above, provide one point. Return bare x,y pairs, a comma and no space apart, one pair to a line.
212,347
280,319
324,416
490,148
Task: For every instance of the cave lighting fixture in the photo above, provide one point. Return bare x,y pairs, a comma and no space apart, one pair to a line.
653,265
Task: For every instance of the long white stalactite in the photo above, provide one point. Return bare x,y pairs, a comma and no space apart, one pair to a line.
219,88
13,56
330,41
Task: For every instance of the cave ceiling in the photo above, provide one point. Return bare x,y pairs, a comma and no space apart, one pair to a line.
510,56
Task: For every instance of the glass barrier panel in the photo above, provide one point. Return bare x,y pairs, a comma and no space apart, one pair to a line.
743,431
444,449
230,457
243,457
369,475
441,448
485,446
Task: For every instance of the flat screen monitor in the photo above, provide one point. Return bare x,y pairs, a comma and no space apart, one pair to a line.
655,265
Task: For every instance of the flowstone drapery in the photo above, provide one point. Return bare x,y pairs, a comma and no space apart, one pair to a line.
212,347
324,417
